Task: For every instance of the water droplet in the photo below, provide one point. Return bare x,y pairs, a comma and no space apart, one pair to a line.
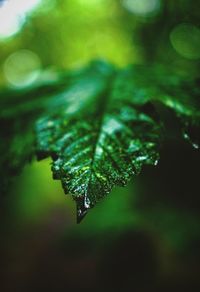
141,158
83,206
195,145
81,213
156,162
86,203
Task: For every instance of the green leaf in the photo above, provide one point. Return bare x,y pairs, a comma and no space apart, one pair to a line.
99,124
177,92
98,143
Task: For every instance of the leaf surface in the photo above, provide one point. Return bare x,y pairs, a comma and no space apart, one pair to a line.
98,145
99,124
161,86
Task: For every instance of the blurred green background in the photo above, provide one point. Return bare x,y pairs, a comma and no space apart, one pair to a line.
144,237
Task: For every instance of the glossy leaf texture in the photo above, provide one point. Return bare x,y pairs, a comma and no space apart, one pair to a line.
179,93
99,124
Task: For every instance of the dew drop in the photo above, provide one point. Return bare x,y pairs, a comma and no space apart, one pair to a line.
156,162
187,137
195,145
83,206
86,203
81,213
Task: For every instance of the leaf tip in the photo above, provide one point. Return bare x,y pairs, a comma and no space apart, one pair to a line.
81,213
83,207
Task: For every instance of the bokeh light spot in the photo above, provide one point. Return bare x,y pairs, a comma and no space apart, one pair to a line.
185,39
22,68
13,15
142,7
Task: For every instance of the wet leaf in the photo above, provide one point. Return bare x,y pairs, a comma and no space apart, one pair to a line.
178,92
99,124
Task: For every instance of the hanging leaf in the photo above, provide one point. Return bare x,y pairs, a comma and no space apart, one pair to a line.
99,124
